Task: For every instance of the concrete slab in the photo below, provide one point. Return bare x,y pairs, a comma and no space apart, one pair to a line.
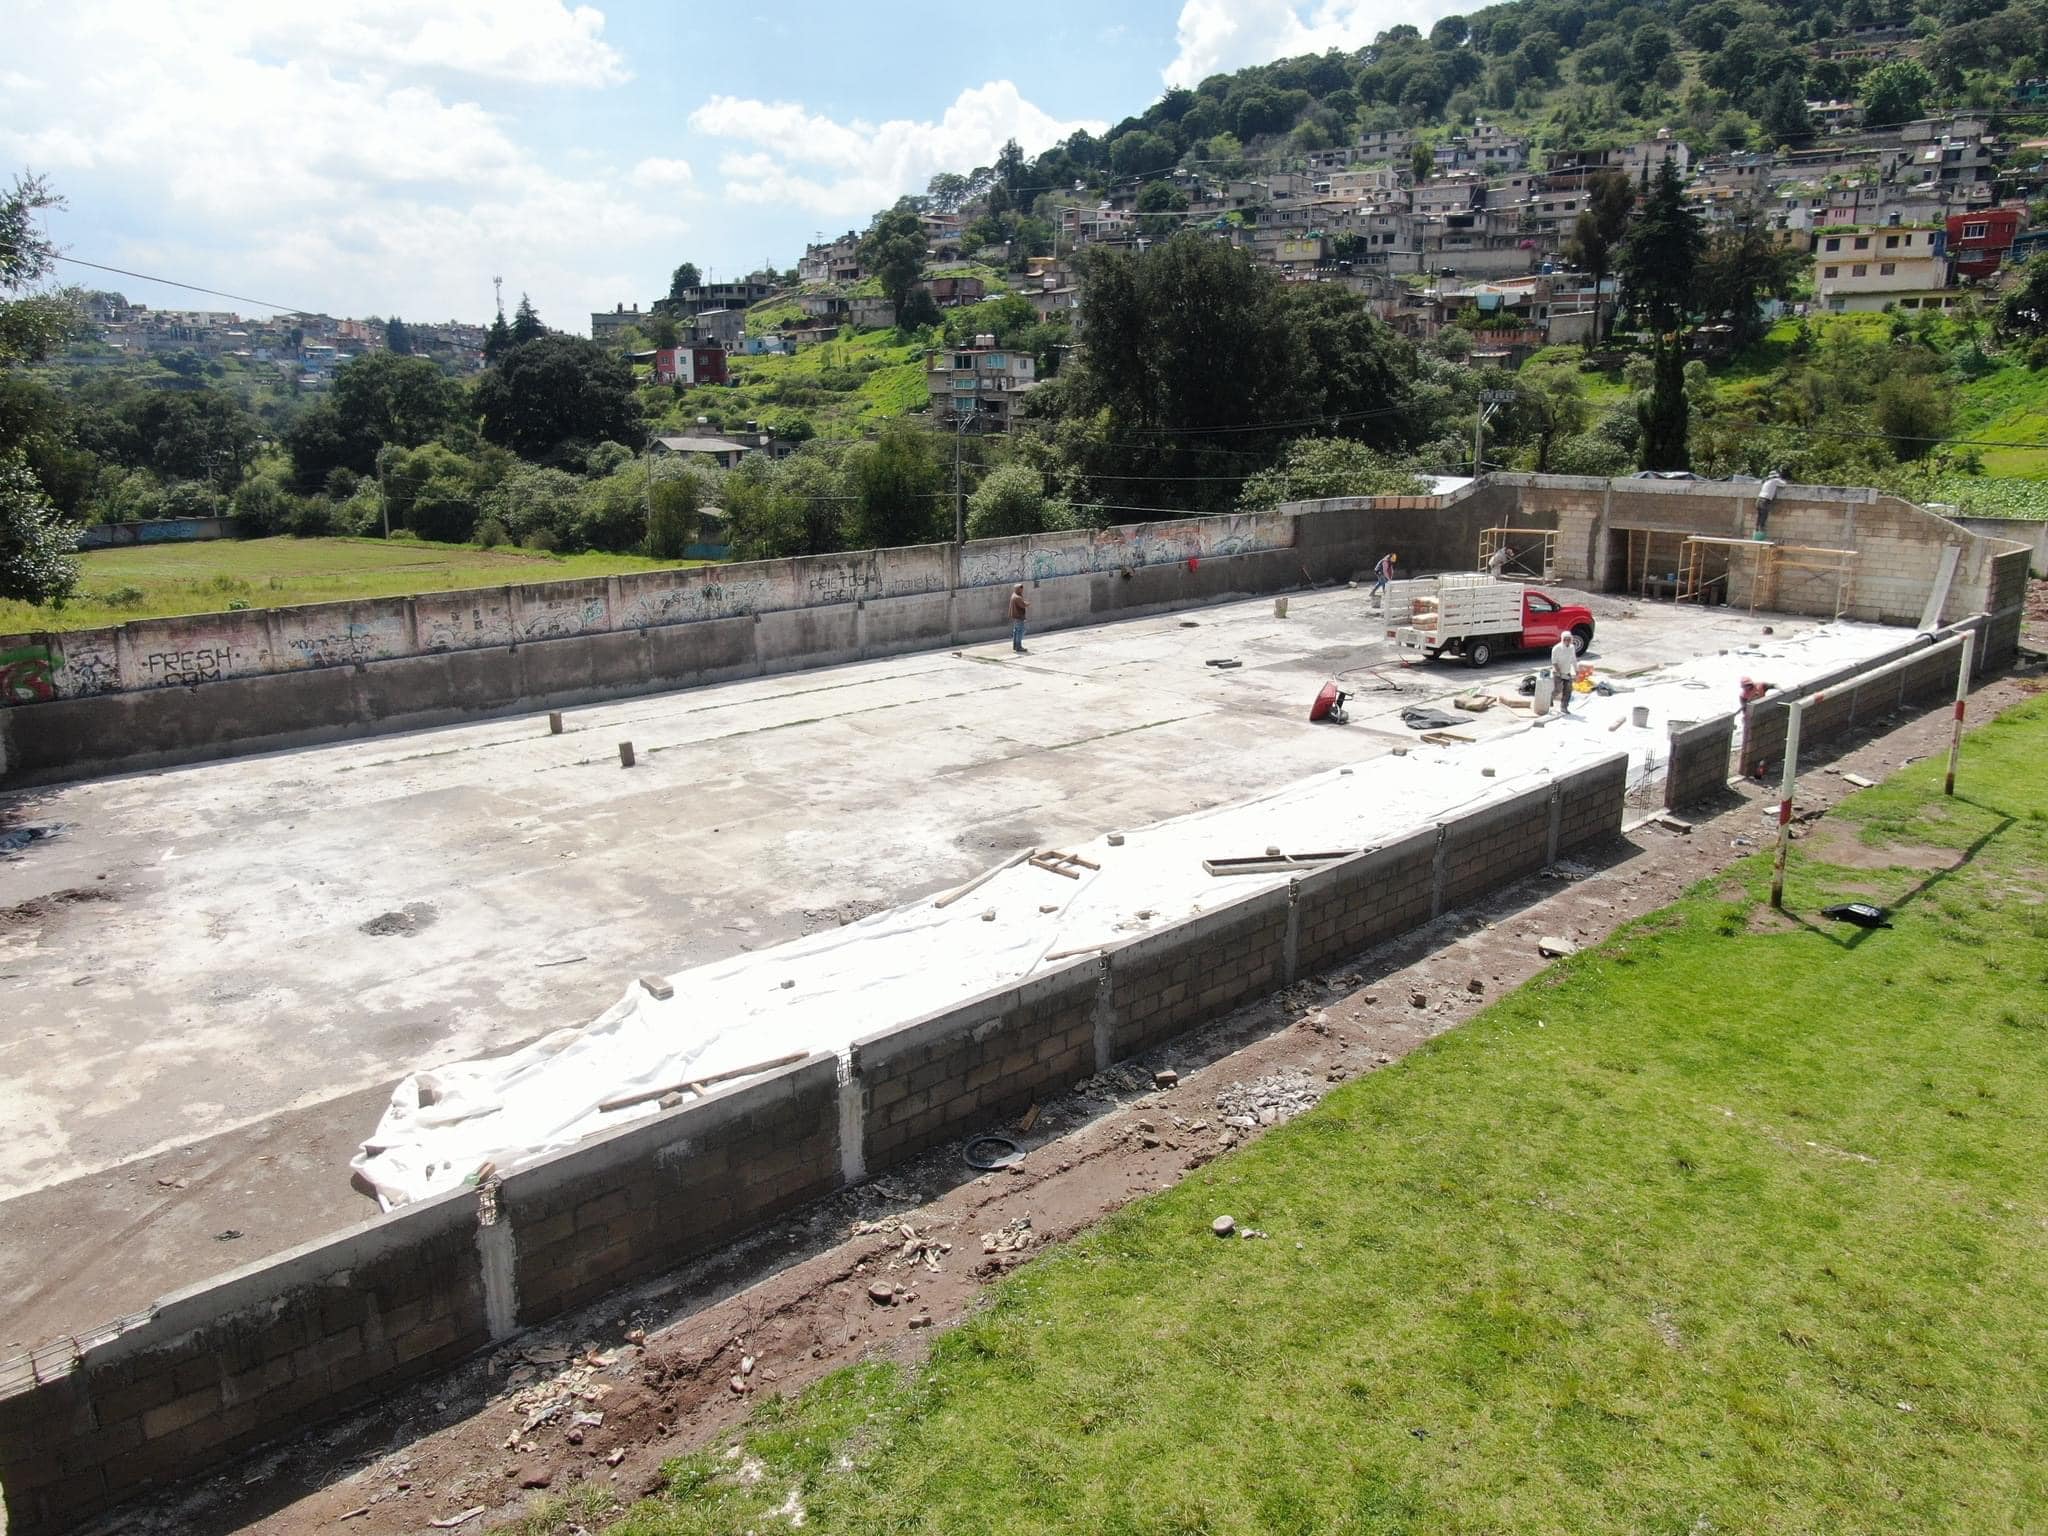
205,955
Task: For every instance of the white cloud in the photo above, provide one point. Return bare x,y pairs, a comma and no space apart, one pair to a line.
848,169
1220,35
672,174
325,160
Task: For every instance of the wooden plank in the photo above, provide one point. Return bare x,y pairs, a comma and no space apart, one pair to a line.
697,1085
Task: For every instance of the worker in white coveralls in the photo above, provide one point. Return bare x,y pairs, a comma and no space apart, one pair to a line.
1564,671
1767,498
1497,562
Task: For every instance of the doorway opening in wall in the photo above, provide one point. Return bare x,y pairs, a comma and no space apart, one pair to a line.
1645,562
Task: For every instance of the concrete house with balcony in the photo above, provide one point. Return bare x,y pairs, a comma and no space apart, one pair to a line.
1864,269
983,380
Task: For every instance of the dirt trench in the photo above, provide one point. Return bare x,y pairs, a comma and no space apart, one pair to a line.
603,1398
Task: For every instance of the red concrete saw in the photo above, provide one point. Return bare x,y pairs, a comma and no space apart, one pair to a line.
1329,705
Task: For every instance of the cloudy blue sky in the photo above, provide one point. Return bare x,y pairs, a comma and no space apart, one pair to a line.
391,156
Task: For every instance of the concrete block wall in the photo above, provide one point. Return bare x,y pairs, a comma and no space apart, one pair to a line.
1361,901
977,1065
2006,605
224,1366
1838,708
1589,807
649,1196
1701,760
1168,982
283,1344
1496,844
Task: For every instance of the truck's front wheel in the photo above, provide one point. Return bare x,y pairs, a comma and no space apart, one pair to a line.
1582,637
1478,652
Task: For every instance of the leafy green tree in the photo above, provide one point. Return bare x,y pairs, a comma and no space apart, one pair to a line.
946,191
672,508
397,339
1895,92
1315,468
1662,412
794,506
387,398
433,491
556,396
2025,309
1663,251
36,544
893,250
1912,413
526,324
685,277
33,320
1744,264
1159,207
897,487
1009,503
1142,153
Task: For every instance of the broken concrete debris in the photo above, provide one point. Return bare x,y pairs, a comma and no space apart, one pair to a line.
1551,947
1224,1226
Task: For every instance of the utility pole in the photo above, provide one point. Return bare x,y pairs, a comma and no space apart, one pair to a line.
1490,400
959,498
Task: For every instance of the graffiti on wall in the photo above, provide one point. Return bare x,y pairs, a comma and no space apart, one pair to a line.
90,665
28,675
557,619
194,664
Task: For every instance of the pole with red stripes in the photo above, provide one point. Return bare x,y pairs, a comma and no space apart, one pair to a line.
1955,741
1785,788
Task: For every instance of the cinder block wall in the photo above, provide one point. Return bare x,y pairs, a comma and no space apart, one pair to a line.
975,1065
239,1360
653,1194
1700,762
282,1345
1837,709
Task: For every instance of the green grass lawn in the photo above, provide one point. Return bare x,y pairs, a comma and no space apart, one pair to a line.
1731,1224
205,577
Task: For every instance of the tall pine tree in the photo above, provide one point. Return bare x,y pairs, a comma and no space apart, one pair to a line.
1663,253
526,324
1662,412
499,341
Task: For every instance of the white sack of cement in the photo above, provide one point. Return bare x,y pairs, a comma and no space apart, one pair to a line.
820,993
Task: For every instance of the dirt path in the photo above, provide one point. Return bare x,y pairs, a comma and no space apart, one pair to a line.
603,1398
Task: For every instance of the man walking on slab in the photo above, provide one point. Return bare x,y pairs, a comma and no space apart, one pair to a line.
1382,574
1018,609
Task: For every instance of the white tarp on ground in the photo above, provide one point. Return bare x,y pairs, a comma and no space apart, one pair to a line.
822,992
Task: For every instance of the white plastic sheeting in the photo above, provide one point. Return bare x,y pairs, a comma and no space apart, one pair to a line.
822,992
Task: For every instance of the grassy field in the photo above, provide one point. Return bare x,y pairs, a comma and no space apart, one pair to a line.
1734,1223
160,580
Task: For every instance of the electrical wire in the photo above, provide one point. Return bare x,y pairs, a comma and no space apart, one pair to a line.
169,282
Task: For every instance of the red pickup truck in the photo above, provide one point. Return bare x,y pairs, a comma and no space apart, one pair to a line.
1480,619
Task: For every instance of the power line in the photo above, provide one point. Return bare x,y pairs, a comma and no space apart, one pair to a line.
170,282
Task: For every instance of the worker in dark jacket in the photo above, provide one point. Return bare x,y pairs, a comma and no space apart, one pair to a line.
1019,607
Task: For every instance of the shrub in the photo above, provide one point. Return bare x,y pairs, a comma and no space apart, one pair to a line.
490,534
124,597
2037,353
672,519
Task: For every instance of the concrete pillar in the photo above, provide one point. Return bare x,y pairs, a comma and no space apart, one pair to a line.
1105,1015
1290,950
853,1157
498,1253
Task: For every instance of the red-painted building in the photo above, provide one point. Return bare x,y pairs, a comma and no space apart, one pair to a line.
689,365
1979,241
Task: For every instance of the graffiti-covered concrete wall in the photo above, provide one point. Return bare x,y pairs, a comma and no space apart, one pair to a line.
216,647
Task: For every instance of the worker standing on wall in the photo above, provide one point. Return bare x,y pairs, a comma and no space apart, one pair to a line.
1564,671
1382,574
1019,608
1766,498
1497,562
